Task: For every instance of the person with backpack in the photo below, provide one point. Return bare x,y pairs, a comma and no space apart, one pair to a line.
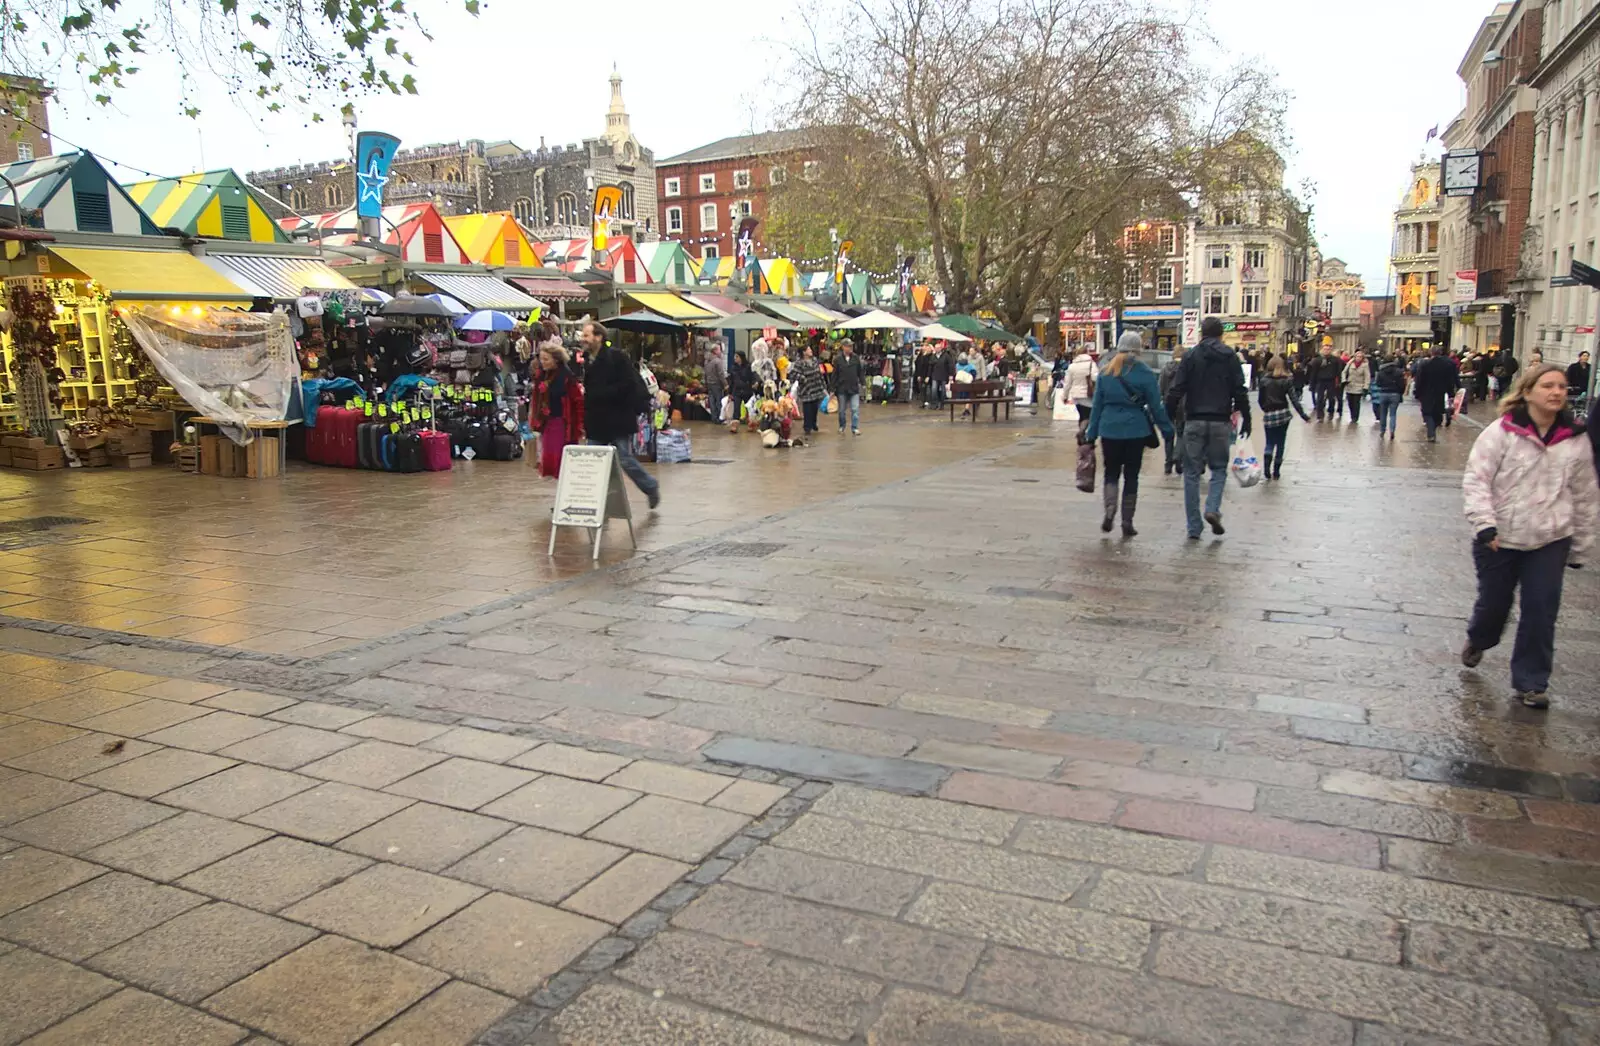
615,395
1126,415
1275,397
1388,388
1531,497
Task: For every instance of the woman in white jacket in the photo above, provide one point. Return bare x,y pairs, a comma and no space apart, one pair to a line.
1081,375
1531,499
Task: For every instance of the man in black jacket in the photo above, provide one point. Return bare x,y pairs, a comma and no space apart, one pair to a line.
1326,370
614,396
1437,381
847,382
1208,389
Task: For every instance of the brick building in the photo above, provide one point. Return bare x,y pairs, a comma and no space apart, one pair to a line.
1152,293
706,192
550,189
24,118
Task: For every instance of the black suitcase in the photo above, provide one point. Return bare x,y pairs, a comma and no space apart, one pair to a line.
368,435
456,429
507,447
408,452
479,439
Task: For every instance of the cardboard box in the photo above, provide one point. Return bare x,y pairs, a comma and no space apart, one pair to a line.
24,442
130,461
41,460
87,442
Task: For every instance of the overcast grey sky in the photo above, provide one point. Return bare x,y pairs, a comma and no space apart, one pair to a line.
1368,79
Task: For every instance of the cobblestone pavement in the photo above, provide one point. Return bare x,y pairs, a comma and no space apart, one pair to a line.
916,756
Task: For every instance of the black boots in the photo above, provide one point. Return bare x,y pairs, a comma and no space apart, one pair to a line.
1130,502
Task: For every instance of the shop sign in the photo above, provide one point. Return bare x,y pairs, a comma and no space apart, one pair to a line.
1191,328
1439,310
1248,327
1332,285
1157,312
1086,315
1466,286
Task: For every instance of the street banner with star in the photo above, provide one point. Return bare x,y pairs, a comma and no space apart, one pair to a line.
375,152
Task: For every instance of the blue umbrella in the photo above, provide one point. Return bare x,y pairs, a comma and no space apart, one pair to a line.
455,307
486,320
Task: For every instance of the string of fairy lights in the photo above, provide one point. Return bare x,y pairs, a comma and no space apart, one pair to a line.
826,260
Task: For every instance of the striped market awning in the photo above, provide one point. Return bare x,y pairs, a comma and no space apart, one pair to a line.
282,278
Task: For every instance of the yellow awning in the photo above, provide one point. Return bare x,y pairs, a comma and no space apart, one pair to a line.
671,306
168,275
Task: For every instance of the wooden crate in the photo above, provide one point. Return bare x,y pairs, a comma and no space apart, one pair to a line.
41,460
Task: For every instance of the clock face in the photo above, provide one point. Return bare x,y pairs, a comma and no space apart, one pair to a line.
1463,172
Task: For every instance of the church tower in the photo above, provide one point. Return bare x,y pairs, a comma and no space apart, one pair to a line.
618,128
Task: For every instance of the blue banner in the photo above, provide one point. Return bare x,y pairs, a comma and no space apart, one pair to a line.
374,154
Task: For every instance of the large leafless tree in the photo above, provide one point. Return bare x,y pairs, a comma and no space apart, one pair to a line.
1002,136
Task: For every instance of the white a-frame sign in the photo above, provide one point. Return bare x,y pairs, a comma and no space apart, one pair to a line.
590,491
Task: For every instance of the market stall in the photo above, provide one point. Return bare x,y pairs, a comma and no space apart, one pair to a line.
216,205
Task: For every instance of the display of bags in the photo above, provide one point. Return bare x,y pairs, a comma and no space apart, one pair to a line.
672,446
1086,467
1246,468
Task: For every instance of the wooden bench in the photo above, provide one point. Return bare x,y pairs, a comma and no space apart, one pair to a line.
976,393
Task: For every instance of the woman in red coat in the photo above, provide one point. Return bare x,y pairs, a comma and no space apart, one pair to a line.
556,407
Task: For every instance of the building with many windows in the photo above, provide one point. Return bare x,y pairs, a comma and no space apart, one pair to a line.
1414,261
1564,221
1157,269
550,190
1251,251
706,193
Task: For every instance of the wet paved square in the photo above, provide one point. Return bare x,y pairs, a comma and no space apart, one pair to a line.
940,765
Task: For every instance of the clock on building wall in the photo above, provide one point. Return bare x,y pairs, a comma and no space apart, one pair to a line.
1463,173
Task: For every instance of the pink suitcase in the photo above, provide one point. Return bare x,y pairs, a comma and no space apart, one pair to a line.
435,451
344,436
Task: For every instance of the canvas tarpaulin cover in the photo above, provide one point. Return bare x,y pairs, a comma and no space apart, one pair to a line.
233,367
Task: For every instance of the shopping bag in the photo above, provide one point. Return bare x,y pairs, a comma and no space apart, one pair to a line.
1061,408
1246,468
830,404
1086,467
672,446
1459,404
725,411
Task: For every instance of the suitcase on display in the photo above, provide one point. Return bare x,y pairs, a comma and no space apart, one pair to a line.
319,445
507,447
435,451
479,439
342,437
368,437
386,451
408,452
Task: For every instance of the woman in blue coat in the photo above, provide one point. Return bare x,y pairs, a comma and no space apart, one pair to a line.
1127,412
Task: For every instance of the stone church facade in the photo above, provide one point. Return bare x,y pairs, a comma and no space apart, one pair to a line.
550,189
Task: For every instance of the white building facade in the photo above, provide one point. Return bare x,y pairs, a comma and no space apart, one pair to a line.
1334,296
1250,252
1414,261
1564,220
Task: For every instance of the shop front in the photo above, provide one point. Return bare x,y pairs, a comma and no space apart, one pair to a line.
1087,330
1248,336
1160,325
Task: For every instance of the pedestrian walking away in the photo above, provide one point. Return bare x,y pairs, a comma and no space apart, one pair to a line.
1081,375
1357,381
1209,389
1276,398
1127,414
807,373
1531,497
615,396
1388,388
1437,381
1173,445
847,382
1324,373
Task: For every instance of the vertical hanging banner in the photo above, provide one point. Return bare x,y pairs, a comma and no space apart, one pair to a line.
607,203
745,250
375,153
839,262
905,281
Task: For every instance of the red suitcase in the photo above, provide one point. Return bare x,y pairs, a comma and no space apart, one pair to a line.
435,452
319,438
344,435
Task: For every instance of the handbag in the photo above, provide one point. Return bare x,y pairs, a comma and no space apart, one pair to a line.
1153,440
1086,466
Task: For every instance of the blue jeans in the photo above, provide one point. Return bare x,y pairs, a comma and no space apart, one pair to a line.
630,465
1387,406
1538,573
1272,457
850,403
1206,444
